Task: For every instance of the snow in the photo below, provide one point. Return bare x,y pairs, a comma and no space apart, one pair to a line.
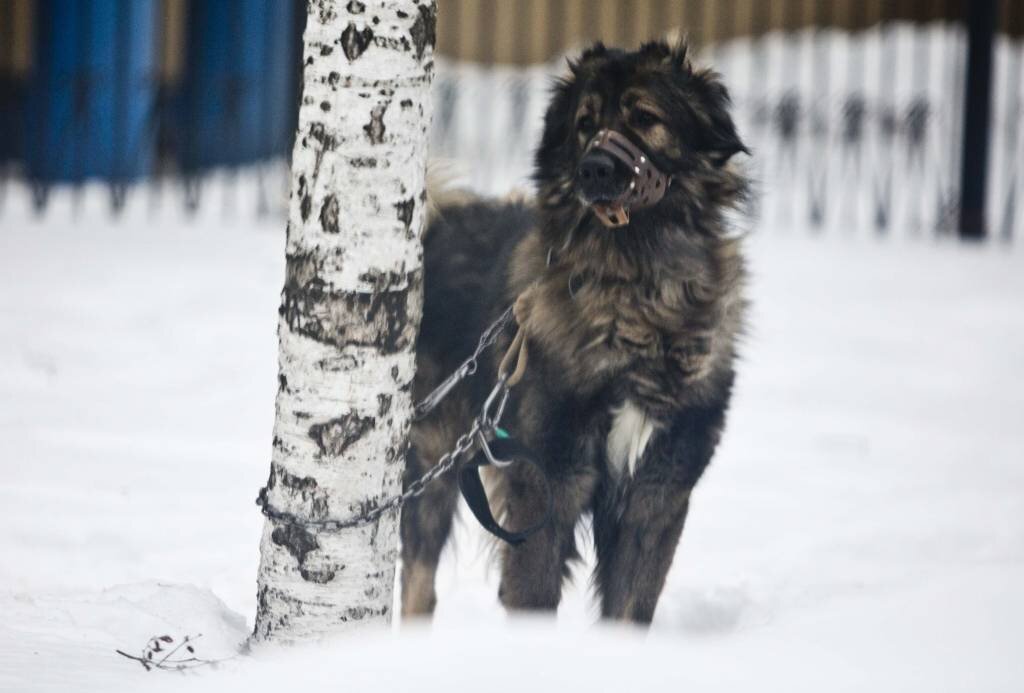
862,525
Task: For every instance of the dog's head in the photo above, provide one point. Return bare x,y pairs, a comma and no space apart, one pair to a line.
628,130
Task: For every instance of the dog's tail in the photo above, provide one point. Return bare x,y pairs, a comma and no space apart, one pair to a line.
446,187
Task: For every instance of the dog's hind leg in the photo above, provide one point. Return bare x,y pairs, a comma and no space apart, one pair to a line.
426,524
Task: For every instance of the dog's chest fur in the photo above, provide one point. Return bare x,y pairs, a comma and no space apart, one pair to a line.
647,336
630,432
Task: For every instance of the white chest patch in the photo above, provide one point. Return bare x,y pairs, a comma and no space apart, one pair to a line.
631,430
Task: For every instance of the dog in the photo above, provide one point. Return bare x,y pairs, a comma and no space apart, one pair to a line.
631,289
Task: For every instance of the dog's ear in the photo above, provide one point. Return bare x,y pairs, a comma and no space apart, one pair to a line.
592,52
672,54
657,51
597,50
720,141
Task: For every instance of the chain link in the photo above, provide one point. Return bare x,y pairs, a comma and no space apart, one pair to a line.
483,424
466,369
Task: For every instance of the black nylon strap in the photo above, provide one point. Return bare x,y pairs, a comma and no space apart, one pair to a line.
472,488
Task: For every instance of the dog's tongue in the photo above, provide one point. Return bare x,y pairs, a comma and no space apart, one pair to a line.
611,214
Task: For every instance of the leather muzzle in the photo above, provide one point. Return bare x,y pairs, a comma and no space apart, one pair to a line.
648,184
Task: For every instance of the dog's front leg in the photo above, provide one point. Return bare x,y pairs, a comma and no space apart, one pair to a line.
635,550
637,531
533,572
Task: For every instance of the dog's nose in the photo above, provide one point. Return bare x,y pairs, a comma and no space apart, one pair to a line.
599,177
596,167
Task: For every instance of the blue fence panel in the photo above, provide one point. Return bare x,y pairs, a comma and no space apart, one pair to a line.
281,98
91,96
238,93
12,115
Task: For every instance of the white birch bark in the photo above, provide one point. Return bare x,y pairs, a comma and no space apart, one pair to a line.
350,312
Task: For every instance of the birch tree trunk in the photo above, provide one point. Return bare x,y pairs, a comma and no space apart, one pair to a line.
349,315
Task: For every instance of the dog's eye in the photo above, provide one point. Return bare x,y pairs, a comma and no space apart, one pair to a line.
585,123
642,118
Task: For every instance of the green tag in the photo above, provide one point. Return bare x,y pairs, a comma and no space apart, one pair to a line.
501,433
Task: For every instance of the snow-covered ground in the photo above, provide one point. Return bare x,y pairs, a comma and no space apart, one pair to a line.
862,527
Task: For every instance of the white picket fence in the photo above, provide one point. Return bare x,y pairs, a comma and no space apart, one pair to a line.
855,133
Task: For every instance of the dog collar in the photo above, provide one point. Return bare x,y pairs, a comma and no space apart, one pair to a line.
646,188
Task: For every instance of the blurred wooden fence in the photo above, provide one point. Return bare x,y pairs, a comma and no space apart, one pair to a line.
523,32
871,96
856,110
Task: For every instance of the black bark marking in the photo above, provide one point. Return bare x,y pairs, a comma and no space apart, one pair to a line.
402,43
377,318
320,577
383,405
406,103
319,133
333,79
355,7
387,281
300,543
392,310
324,50
296,540
301,287
325,106
302,487
405,209
329,214
305,202
358,613
354,42
375,128
336,436
326,12
327,143
424,29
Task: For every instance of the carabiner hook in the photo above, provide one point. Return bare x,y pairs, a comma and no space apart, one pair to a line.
485,446
496,401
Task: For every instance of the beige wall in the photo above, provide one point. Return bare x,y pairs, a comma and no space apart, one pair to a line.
524,31
15,37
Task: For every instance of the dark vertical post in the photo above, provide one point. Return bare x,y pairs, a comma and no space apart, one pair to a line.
981,26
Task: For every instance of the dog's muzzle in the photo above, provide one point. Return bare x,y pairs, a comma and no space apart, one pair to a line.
648,184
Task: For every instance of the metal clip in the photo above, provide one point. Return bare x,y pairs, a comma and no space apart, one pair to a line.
486,449
431,401
495,401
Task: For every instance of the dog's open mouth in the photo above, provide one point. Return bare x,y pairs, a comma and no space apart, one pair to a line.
611,213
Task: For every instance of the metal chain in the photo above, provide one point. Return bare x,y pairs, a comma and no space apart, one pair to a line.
444,464
468,367
448,460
